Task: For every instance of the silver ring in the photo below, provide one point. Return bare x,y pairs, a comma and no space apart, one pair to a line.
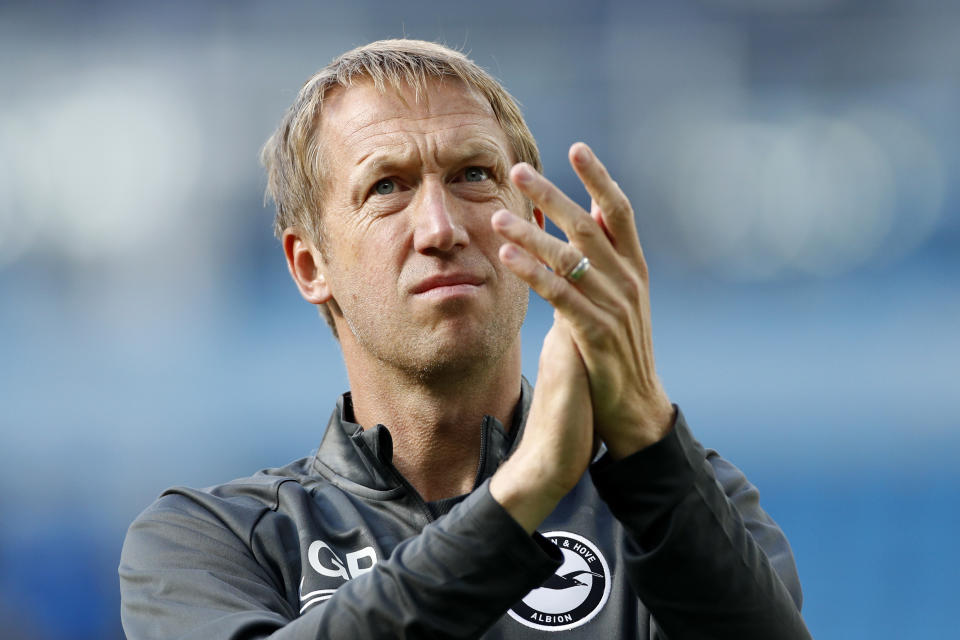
577,272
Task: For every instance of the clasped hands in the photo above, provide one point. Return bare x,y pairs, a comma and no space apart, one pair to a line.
596,376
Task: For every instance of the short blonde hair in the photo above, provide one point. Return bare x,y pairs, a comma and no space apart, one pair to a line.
293,155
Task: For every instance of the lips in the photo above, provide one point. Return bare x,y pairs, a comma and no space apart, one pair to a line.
446,280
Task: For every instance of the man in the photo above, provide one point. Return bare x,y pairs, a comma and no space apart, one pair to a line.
411,211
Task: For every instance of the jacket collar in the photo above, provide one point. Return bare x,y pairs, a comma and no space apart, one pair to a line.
365,457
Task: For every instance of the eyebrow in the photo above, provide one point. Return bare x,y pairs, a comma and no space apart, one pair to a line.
382,160
471,150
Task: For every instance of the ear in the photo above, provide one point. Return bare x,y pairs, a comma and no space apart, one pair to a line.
306,266
538,217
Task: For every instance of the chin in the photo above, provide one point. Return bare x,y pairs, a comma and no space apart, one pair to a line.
451,356
457,352
445,349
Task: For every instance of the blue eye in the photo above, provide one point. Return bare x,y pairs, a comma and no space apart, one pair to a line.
384,187
475,174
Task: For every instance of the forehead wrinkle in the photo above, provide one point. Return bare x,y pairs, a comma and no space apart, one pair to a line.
479,145
352,137
379,157
361,102
441,148
378,160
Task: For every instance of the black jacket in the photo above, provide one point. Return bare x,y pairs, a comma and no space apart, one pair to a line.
670,542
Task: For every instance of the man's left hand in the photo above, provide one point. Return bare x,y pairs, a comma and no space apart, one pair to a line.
607,307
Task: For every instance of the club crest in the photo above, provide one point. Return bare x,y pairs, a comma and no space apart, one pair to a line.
574,594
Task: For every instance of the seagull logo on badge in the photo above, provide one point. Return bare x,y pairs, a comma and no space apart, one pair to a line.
568,580
574,594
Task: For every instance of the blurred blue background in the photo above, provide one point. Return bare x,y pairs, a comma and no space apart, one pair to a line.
792,164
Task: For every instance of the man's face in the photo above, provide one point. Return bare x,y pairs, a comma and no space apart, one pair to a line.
409,255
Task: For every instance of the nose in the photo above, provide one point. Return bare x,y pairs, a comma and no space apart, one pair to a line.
438,221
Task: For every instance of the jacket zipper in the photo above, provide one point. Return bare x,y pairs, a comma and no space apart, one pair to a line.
483,451
418,499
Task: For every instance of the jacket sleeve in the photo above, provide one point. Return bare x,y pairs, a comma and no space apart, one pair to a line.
184,574
701,554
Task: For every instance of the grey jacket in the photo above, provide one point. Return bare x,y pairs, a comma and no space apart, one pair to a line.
668,543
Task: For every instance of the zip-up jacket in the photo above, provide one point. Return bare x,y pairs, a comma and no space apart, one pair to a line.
669,543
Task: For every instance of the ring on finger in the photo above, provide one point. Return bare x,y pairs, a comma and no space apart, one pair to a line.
578,270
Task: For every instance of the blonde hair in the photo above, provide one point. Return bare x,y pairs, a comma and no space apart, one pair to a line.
293,155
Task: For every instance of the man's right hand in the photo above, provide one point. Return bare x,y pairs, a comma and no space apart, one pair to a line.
557,443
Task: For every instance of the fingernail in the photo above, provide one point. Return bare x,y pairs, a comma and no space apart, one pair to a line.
509,252
524,174
502,219
582,153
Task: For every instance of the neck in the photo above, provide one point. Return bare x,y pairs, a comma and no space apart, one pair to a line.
435,422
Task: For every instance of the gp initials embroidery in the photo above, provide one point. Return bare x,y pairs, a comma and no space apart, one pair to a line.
325,561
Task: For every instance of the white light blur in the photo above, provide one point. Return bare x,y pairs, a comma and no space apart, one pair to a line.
812,195
16,226
921,182
101,167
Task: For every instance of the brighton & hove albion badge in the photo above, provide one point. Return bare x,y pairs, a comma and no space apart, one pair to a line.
574,594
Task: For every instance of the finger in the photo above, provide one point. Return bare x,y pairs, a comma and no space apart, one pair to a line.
561,294
582,230
560,256
614,207
589,314
597,215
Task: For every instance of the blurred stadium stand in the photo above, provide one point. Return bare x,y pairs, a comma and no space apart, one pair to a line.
792,164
